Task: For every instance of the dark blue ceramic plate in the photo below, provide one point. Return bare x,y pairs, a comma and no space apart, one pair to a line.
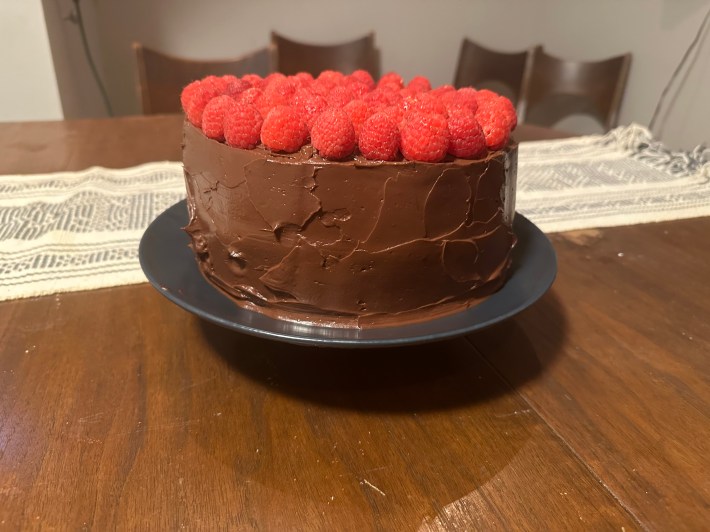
171,268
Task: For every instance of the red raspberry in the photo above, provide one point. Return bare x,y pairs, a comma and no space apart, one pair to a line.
389,86
496,127
303,79
284,130
309,105
333,134
363,76
219,82
199,100
408,94
391,78
358,88
340,96
279,91
464,97
242,126
274,76
213,116
255,80
503,106
486,94
358,111
506,107
250,96
330,79
187,93
236,86
395,112
466,138
379,99
425,137
426,103
419,84
229,78
442,89
379,138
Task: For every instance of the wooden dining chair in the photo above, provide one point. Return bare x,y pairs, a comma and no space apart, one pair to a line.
481,67
161,77
555,88
291,57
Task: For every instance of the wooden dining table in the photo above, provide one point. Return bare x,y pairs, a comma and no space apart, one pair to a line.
589,410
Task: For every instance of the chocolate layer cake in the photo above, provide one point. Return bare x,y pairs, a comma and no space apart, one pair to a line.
355,243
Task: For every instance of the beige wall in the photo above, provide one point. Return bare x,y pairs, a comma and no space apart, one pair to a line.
28,90
415,36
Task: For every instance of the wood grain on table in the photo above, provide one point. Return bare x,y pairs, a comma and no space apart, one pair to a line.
589,410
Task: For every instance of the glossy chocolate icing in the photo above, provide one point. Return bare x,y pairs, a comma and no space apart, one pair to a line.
356,243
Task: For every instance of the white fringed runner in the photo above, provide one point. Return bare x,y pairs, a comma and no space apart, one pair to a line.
71,231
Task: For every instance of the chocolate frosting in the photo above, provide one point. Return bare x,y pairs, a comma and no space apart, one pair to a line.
354,243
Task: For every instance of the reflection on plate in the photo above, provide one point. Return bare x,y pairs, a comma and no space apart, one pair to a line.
171,268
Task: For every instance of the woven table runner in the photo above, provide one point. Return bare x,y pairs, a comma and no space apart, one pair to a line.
64,232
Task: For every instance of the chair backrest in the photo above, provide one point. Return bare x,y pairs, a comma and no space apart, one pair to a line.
291,57
502,72
161,77
555,88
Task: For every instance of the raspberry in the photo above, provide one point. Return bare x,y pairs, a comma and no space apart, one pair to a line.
242,126
363,76
303,79
391,78
379,138
187,93
358,88
340,96
333,134
379,99
284,130
255,80
389,86
358,111
213,116
506,107
419,84
236,86
228,78
321,88
466,138
425,137
408,94
486,94
250,96
199,100
330,79
279,91
426,103
496,127
442,89
219,83
395,112
274,76
464,97
309,105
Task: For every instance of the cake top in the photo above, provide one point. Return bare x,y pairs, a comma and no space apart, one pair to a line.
340,115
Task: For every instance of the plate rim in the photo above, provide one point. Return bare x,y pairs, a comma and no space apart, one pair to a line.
522,226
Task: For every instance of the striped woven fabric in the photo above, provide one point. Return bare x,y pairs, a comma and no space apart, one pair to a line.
621,178
72,231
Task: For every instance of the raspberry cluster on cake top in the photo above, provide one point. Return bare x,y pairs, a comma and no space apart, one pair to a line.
343,115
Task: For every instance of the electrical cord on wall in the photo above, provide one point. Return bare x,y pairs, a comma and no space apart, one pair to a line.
677,70
77,18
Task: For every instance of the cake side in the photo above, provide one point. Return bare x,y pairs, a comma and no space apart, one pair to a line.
351,242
